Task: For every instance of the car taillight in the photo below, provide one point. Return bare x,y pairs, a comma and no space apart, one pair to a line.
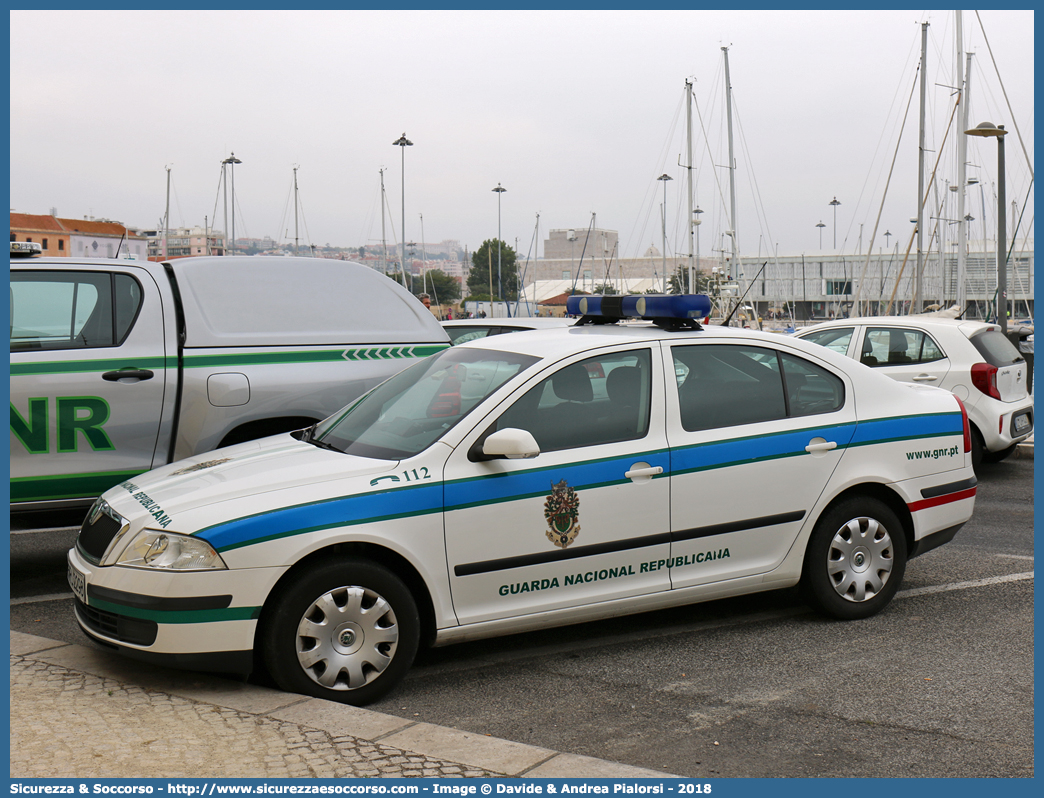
967,425
984,377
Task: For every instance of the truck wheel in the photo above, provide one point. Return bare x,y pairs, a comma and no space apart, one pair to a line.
855,559
346,631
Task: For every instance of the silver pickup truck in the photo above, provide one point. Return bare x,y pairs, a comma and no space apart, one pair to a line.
119,366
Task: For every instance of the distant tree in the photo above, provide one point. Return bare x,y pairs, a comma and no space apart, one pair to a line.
483,259
442,288
362,252
605,288
679,282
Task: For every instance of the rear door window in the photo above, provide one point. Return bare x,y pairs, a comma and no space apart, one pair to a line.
71,310
727,385
899,346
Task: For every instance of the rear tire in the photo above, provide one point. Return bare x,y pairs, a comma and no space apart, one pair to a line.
855,559
996,457
978,448
346,631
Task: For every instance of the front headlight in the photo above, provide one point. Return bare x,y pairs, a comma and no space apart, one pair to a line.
168,551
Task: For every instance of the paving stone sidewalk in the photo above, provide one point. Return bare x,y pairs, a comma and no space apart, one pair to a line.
77,712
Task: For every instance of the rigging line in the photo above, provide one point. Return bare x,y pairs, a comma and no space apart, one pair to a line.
241,216
714,171
177,202
924,201
304,221
648,200
1014,121
884,195
217,196
286,205
520,297
759,205
606,280
579,266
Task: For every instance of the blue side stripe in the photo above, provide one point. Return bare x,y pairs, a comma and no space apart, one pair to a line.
342,511
438,497
762,447
538,482
889,429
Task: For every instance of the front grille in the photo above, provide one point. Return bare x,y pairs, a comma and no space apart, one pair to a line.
95,537
117,627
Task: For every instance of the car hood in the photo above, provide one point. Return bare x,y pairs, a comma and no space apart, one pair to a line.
193,493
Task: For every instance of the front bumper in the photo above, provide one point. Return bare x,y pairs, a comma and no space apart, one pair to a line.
197,620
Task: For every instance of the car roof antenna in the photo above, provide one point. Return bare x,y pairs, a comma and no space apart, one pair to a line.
740,303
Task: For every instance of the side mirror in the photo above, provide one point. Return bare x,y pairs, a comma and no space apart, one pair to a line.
514,444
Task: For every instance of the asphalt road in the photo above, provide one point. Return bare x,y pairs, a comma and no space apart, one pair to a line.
940,684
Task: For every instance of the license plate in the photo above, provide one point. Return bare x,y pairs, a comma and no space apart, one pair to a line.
78,583
1022,423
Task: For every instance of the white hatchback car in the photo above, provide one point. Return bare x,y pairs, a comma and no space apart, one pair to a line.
461,331
971,359
527,481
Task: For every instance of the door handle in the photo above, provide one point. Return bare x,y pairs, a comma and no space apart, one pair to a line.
821,446
643,471
130,373
925,378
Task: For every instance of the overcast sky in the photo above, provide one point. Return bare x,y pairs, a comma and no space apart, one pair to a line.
573,112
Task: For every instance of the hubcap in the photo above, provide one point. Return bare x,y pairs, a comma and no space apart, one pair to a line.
347,638
860,559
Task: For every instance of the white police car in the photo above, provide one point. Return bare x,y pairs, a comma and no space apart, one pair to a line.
526,481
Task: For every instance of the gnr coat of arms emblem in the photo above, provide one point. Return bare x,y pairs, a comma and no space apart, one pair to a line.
562,511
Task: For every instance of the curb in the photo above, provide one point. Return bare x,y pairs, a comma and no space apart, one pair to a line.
476,751
1024,451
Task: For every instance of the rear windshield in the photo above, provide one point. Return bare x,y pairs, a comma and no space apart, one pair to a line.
996,349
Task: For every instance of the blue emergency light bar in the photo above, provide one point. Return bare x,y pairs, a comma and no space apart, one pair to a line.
681,307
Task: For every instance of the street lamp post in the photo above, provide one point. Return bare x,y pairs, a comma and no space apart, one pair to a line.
500,285
835,203
663,215
403,142
821,226
232,160
989,130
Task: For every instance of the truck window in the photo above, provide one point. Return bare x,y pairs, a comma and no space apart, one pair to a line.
71,310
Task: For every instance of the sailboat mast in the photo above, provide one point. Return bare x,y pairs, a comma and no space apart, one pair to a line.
166,221
688,151
732,171
295,210
384,238
962,157
918,297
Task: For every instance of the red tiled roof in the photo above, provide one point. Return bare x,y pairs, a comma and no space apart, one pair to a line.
93,228
45,223
36,223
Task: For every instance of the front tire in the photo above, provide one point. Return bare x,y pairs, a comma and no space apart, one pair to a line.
347,631
855,559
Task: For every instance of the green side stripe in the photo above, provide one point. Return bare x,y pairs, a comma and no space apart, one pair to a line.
238,359
67,486
92,365
180,616
319,356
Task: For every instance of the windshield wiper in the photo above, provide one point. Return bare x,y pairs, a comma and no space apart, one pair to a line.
308,436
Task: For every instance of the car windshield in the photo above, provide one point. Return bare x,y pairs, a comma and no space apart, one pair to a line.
407,413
